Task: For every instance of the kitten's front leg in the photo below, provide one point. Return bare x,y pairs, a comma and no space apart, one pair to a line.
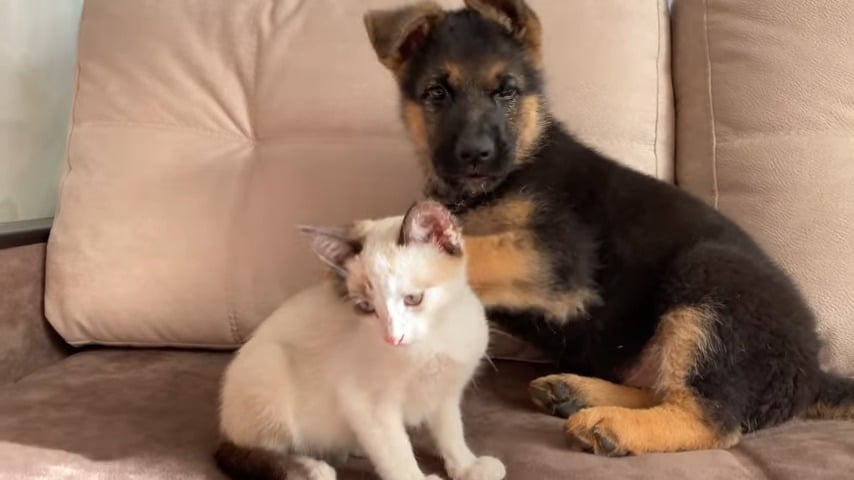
446,426
382,435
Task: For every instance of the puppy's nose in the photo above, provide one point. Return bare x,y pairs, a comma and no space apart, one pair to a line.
475,150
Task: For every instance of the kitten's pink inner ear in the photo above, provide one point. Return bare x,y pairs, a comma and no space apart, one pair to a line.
429,222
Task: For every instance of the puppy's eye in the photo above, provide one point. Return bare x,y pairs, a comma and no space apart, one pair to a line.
506,93
413,300
436,93
364,306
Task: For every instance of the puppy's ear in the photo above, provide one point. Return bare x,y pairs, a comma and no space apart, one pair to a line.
397,34
334,246
429,222
515,16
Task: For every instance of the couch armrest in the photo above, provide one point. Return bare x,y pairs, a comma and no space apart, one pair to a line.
27,341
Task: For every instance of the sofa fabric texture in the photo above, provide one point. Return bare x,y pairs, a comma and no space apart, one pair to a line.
27,341
204,130
765,109
150,414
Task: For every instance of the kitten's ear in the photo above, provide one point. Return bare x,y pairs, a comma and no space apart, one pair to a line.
333,245
396,34
516,17
428,221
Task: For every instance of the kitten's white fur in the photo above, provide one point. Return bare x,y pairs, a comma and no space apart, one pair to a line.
317,378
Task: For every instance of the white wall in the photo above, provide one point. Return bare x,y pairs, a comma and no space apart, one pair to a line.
37,46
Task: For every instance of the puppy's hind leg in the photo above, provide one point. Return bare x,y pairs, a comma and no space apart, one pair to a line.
681,421
736,351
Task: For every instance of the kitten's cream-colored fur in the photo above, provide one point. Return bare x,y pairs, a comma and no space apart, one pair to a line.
327,375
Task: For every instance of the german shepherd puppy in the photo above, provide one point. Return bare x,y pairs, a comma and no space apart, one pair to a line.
679,331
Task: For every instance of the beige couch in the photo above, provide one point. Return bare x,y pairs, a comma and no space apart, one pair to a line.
204,129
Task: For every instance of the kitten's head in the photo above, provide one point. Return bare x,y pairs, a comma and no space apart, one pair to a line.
400,272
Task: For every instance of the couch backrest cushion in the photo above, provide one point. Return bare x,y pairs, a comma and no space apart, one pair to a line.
765,98
204,130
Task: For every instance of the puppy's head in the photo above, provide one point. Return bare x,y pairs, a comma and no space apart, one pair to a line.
471,88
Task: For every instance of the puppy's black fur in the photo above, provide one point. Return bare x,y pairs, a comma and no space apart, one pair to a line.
608,270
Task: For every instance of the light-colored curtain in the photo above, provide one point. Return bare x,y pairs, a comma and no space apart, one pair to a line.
37,47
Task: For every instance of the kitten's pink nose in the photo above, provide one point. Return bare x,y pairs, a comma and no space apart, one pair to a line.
391,339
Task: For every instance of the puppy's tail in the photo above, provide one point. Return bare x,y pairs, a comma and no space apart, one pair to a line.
250,463
835,399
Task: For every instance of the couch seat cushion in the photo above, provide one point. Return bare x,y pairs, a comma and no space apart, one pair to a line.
152,414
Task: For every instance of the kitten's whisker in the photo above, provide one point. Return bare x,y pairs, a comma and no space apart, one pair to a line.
489,360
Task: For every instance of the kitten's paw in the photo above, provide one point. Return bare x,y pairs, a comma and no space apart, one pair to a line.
306,469
484,468
433,477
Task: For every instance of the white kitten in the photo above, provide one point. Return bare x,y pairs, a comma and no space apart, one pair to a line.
329,374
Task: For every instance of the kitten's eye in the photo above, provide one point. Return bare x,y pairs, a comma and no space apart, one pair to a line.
507,93
436,93
413,300
364,306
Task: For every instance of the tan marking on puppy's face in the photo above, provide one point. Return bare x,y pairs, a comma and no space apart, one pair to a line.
493,75
416,124
529,123
453,73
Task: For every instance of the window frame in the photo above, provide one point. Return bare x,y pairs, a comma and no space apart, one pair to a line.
24,232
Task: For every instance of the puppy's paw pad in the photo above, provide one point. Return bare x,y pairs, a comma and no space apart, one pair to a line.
606,444
555,395
588,431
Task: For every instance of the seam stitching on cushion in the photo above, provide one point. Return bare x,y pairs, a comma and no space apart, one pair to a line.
787,133
756,462
285,138
715,186
657,90
614,140
240,201
167,126
71,124
114,343
252,107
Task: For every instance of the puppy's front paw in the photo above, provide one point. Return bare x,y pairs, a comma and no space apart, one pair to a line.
558,395
484,468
